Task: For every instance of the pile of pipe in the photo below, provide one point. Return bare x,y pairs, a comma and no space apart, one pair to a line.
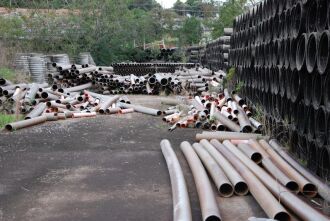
240,164
212,111
148,68
195,54
281,51
40,103
105,81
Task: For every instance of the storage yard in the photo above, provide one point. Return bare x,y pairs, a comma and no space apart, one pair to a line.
237,129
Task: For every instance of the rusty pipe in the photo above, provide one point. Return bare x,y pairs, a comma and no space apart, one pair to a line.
221,135
126,111
181,204
208,203
244,122
84,114
263,196
273,169
250,152
290,200
323,188
305,187
218,176
26,123
113,110
225,121
240,186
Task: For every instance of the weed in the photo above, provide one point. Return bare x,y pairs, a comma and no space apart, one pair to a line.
6,119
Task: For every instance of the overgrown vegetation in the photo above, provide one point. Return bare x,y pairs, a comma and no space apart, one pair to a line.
7,73
6,119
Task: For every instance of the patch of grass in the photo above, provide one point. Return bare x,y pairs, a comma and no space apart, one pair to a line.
7,74
6,119
238,87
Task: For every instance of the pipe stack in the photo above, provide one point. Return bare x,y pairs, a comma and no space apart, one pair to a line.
281,53
146,68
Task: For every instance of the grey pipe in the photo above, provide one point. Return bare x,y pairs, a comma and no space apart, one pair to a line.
256,124
78,88
181,203
26,123
37,111
208,203
219,178
244,121
141,109
240,186
221,135
225,121
114,110
106,104
32,92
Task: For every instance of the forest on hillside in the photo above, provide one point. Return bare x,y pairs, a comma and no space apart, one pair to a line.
113,30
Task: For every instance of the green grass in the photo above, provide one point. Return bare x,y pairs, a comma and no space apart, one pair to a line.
7,74
6,119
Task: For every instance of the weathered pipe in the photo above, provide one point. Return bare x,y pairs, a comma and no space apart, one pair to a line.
161,79
250,152
244,122
240,186
305,187
323,188
323,54
208,203
219,178
114,110
321,126
85,114
268,164
225,121
32,92
26,123
37,111
220,135
256,124
234,107
317,90
78,88
265,199
107,103
141,109
49,96
227,95
126,111
290,200
181,203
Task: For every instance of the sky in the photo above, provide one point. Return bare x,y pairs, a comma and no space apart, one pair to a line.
167,3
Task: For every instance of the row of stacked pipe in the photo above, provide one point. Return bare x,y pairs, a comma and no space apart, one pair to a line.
84,90
146,68
239,164
196,54
281,51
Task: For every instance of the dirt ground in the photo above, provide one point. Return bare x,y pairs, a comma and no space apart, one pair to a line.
103,168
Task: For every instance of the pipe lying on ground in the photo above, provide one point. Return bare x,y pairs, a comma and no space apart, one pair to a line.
240,186
181,203
244,122
306,187
268,164
220,135
37,111
79,115
262,195
290,200
219,178
208,203
126,111
106,104
141,109
254,155
323,188
26,123
225,121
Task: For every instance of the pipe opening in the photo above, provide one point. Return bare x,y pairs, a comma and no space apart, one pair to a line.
323,53
311,16
320,127
9,127
159,113
226,190
292,186
301,54
321,15
311,52
282,216
221,127
241,189
309,190
317,90
256,157
2,81
212,218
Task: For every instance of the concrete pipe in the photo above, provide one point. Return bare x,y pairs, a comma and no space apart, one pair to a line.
37,111
208,203
259,191
323,188
312,51
305,187
218,176
290,200
26,123
181,203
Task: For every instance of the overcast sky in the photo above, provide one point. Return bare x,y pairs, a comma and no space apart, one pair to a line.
167,3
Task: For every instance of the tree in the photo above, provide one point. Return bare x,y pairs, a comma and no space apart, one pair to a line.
180,8
191,32
227,13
